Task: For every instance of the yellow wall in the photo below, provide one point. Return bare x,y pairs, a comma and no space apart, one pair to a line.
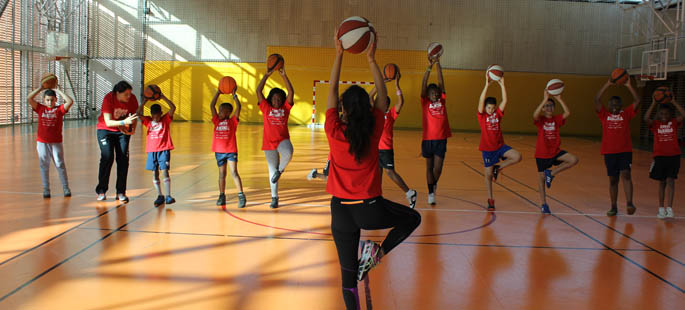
191,86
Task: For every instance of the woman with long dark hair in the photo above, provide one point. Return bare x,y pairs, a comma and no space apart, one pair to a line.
354,179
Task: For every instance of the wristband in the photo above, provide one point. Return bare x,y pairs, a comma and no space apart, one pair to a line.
122,123
399,93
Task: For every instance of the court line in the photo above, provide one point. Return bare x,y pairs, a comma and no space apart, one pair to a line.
330,239
603,224
367,292
585,234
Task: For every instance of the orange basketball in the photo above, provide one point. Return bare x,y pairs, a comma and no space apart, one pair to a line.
662,94
619,76
227,85
49,81
274,62
152,92
390,71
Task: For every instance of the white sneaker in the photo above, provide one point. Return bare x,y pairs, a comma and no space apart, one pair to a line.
102,197
661,214
431,199
669,213
311,175
411,197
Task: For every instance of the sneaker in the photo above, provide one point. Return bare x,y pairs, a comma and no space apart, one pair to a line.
661,214
276,176
274,203
46,193
312,175
669,213
630,209
411,197
612,211
159,201
67,192
122,198
491,205
241,200
170,200
102,197
495,172
431,199
371,257
545,209
548,178
222,200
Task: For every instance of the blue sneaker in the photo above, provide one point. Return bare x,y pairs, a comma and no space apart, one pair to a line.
159,201
545,209
548,178
170,200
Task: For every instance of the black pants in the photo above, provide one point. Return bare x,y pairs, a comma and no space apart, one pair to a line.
346,222
111,143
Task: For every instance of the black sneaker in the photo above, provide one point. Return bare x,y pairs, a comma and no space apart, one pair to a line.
46,193
169,200
241,200
222,200
159,201
276,176
495,172
67,192
274,202
122,197
630,209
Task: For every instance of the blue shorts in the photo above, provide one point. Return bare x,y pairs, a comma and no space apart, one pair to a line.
221,158
157,160
492,158
430,148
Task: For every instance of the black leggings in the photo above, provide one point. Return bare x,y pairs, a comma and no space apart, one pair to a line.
348,218
111,143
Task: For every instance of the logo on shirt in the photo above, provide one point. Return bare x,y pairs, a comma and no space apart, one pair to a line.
278,113
665,129
155,130
615,118
223,126
549,126
436,108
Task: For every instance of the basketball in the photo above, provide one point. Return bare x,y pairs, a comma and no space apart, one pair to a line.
390,71
128,129
274,62
555,87
356,34
227,85
434,50
152,92
662,94
619,76
495,72
49,81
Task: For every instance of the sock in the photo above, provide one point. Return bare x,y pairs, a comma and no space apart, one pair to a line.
430,188
167,186
159,190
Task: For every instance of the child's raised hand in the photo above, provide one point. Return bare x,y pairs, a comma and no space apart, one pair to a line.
372,49
338,44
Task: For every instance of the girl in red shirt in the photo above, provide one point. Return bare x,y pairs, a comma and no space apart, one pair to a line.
547,151
354,179
666,164
276,139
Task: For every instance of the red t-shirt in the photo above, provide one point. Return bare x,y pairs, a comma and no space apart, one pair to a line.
347,178
435,123
158,138
275,124
118,110
666,137
50,123
386,138
224,135
549,140
616,130
490,131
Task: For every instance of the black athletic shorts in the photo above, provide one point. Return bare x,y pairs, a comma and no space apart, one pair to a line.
664,167
430,148
618,162
386,159
546,163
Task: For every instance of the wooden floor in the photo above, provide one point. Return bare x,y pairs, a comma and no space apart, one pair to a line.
76,253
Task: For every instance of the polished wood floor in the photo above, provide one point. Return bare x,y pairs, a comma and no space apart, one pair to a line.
77,253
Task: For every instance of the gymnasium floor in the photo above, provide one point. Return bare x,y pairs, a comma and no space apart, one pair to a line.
76,253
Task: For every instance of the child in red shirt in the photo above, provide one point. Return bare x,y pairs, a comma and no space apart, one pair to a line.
386,154
547,149
224,146
159,145
276,139
666,163
49,137
617,147
436,127
354,180
491,141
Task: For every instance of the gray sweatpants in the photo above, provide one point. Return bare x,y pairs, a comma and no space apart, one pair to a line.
52,152
277,160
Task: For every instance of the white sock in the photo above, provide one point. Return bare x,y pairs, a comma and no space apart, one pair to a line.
156,183
167,186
